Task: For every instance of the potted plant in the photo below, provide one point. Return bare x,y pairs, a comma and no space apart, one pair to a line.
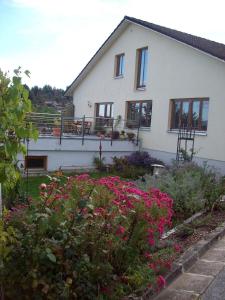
122,135
101,132
56,130
117,121
114,135
131,136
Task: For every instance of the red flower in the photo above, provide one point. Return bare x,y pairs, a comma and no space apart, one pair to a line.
177,248
161,282
120,230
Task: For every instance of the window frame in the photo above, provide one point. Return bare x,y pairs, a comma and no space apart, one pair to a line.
119,65
105,109
139,84
104,121
140,102
190,120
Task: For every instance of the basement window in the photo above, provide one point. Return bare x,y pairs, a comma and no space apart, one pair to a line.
36,162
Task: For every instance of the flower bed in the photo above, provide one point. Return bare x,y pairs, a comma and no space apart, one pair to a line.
86,239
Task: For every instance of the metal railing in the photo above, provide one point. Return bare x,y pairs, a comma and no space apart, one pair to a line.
61,126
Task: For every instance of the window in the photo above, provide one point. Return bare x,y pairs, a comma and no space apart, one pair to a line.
36,162
104,114
190,113
119,65
142,62
139,113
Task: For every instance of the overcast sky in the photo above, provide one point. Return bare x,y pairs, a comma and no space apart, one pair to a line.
54,39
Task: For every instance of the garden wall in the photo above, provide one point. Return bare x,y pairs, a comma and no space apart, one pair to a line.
168,157
71,154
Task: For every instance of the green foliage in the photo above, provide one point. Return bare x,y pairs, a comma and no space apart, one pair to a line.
16,194
45,109
79,241
39,95
191,187
14,105
127,170
99,163
184,231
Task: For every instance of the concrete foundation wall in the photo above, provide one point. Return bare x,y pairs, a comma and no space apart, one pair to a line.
71,154
168,157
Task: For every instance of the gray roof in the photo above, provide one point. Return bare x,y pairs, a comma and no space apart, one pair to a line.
210,47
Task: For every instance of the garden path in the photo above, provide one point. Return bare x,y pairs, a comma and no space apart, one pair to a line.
205,280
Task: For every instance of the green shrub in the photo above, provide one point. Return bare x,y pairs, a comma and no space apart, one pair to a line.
184,231
87,239
134,165
192,187
99,163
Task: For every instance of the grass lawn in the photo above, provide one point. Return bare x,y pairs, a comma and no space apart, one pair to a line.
32,186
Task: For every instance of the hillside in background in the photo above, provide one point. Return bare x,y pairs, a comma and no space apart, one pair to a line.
48,99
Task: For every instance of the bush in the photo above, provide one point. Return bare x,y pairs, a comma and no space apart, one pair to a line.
142,159
87,239
99,163
192,187
134,165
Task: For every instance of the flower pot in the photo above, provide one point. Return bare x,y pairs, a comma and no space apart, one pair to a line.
115,135
56,131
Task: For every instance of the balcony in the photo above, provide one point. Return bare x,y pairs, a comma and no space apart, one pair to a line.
70,143
84,128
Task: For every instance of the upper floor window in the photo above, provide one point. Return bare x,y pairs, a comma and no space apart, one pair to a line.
139,113
190,113
142,63
119,70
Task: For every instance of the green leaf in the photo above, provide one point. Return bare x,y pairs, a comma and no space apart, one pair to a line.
82,203
51,257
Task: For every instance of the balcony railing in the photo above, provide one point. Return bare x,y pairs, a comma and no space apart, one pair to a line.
84,127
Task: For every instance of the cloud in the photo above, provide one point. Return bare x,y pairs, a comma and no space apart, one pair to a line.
63,35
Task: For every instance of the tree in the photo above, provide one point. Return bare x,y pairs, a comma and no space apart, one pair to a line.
14,105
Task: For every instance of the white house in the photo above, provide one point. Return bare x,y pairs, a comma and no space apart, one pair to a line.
163,78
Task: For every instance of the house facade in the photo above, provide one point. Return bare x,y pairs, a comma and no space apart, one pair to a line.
163,79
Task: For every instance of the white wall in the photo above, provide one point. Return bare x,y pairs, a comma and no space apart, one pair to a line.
175,70
72,154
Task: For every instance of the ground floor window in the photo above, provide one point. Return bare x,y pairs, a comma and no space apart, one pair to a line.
139,113
104,114
36,162
190,113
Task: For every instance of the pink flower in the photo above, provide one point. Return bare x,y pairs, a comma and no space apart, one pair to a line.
120,230
82,177
177,248
148,255
43,186
161,282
